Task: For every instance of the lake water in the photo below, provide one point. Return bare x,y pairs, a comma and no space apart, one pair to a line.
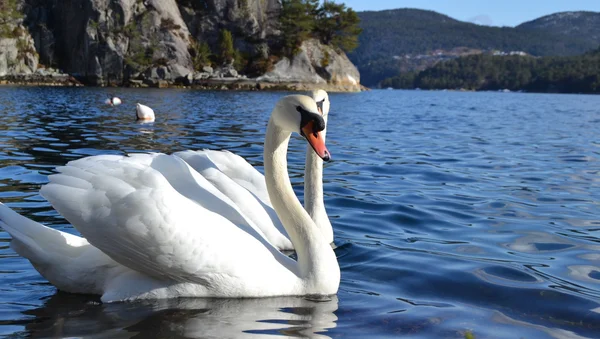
456,215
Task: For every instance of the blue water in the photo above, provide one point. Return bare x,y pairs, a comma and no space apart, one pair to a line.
456,215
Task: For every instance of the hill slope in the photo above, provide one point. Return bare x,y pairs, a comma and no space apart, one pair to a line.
571,24
411,31
570,74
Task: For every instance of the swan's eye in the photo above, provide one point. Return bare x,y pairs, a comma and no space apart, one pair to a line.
315,118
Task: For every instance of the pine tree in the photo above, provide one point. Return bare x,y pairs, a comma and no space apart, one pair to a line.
338,26
297,22
200,53
226,44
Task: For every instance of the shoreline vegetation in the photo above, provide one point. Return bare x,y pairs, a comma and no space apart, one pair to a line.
574,74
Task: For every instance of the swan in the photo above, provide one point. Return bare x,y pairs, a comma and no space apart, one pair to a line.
246,186
154,228
144,113
113,101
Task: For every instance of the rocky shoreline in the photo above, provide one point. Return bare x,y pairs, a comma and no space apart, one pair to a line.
214,84
298,74
41,77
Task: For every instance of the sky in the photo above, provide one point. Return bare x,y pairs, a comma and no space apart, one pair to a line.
500,12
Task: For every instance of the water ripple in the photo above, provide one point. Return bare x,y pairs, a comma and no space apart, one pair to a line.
454,213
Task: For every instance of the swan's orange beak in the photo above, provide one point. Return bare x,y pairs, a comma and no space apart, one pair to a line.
316,141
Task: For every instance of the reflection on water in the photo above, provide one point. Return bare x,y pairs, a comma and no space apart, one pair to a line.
454,213
184,318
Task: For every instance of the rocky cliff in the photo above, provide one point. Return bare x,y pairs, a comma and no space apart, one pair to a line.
155,43
17,50
316,64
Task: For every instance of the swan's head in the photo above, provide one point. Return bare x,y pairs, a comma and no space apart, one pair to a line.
300,114
322,100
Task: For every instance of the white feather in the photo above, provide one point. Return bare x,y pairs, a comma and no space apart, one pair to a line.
144,113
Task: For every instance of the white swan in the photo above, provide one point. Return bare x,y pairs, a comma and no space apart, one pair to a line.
144,113
113,101
240,181
156,230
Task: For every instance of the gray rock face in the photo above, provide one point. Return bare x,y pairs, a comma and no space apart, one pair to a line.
150,42
103,41
106,41
316,64
254,19
17,54
226,71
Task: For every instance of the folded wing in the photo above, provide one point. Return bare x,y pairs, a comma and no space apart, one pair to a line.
251,207
240,171
155,214
244,174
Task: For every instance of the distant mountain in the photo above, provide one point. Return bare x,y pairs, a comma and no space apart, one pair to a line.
571,24
390,36
482,20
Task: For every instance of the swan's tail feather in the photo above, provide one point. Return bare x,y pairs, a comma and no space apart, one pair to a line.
36,241
62,258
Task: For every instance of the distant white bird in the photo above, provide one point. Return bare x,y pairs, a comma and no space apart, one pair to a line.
144,113
114,101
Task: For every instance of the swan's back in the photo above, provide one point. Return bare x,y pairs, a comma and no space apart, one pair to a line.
248,203
242,172
128,209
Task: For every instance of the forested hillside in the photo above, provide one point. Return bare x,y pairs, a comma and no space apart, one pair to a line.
395,33
572,74
571,24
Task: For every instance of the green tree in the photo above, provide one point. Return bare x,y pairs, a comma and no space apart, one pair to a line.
296,22
239,60
338,26
8,14
201,54
226,45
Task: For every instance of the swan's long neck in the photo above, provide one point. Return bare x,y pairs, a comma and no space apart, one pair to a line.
313,191
316,259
